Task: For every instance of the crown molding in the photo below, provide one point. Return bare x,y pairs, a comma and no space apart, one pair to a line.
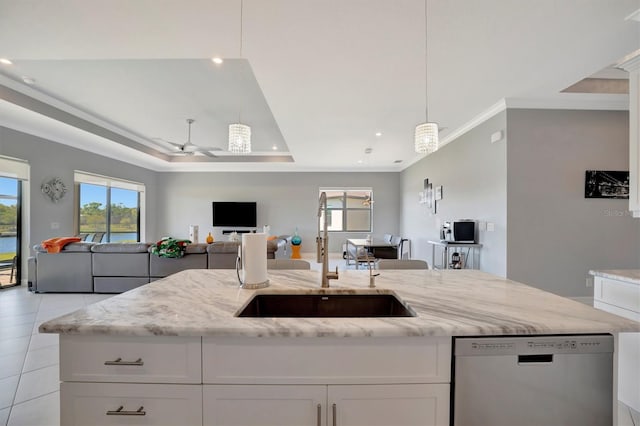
576,101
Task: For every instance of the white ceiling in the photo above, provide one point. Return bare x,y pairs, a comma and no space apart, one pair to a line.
317,78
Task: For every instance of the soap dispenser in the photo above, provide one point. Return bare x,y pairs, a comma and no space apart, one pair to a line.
209,238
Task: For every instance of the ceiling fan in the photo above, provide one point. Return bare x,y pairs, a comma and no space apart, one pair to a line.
189,148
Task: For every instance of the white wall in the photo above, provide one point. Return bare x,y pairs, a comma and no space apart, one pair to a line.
49,159
284,201
472,172
556,235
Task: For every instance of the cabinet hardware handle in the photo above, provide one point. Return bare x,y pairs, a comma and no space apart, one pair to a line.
319,416
119,361
121,412
335,421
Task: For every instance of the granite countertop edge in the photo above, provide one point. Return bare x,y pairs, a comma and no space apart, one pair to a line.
628,275
203,303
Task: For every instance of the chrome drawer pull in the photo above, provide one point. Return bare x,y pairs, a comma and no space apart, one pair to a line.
119,361
120,412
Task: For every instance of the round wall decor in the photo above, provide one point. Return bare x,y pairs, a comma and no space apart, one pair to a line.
54,189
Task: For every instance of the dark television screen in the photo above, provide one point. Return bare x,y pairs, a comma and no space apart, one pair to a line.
227,213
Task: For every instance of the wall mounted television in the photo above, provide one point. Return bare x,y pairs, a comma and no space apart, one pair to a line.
229,213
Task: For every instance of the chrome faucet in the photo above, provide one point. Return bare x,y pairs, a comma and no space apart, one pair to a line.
322,243
372,276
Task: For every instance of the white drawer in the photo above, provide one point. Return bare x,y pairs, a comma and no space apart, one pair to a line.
617,293
326,360
130,359
85,404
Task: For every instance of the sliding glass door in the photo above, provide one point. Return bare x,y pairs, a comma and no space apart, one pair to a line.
10,231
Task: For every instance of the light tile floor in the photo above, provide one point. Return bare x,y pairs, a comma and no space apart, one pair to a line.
29,383
29,379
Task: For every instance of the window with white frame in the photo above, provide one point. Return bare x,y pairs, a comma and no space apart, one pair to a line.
109,209
348,209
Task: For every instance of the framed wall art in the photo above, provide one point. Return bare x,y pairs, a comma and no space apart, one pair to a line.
606,184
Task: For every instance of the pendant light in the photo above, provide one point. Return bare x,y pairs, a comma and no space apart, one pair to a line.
240,134
426,134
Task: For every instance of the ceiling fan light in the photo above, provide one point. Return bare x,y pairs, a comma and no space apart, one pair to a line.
426,138
239,138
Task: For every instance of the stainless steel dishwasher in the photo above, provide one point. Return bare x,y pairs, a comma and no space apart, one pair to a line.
533,381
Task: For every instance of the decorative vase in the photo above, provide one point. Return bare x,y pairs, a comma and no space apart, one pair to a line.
296,240
209,238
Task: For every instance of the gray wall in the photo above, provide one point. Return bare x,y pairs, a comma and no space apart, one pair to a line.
555,234
49,159
472,172
285,201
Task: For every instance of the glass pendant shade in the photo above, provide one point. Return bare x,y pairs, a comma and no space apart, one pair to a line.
426,138
239,138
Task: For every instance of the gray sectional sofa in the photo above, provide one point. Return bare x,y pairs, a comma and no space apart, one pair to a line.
118,267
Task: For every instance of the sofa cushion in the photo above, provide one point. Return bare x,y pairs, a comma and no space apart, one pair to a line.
162,266
223,247
120,248
63,272
196,248
80,247
120,264
117,285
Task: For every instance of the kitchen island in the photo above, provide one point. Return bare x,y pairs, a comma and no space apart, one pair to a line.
175,352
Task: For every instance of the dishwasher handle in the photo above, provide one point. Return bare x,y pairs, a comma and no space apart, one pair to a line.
538,359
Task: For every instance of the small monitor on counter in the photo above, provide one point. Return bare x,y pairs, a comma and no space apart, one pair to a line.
463,231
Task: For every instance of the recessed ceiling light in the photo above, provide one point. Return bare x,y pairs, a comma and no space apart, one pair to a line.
28,80
275,148
378,134
368,150
359,161
217,60
5,61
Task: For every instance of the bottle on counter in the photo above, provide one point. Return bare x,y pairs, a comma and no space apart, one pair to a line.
209,238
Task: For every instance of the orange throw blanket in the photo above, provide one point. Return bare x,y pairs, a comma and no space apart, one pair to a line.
54,245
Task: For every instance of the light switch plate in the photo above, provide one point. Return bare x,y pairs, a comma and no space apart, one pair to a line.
491,226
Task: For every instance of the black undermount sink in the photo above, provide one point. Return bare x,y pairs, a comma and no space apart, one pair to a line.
323,305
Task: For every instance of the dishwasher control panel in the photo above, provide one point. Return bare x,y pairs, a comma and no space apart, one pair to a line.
474,346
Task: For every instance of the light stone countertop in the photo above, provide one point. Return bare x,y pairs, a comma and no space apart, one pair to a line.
626,275
447,303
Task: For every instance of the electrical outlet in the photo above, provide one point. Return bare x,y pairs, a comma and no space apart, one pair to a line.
491,226
589,282
55,225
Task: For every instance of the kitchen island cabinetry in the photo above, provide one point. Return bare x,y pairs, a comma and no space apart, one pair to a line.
176,349
312,405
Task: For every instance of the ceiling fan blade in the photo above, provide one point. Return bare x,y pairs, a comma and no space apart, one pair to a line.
209,148
209,154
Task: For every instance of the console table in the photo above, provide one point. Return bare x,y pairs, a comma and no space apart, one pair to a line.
470,251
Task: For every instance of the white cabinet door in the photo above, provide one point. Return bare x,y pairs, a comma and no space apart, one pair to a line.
264,405
99,404
384,405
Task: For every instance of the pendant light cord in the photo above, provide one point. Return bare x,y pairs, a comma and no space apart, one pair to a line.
241,31
241,12
426,65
